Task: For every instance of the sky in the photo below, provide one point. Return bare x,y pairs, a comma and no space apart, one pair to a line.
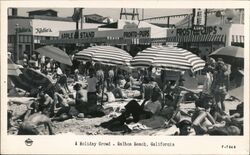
114,12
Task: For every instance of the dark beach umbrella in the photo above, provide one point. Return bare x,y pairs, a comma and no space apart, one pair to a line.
31,79
231,54
55,53
229,51
238,93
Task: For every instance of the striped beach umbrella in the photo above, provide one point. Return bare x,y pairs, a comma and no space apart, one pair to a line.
108,55
168,58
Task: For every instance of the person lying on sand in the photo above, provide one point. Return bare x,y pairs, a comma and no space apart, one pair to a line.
30,125
139,112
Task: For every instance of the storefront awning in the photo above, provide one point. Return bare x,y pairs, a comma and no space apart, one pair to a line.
237,39
197,38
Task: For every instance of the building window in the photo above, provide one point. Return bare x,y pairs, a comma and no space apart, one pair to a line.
29,39
21,38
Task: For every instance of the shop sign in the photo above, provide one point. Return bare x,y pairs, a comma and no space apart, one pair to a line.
136,33
40,30
81,34
210,30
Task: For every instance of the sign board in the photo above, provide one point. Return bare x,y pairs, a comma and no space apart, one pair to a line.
137,33
209,30
85,33
120,33
49,27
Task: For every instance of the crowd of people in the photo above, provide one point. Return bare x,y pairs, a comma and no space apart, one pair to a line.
105,82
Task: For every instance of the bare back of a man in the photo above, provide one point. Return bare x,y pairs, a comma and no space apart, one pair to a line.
30,125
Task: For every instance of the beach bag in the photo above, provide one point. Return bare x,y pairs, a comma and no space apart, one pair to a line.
111,97
220,89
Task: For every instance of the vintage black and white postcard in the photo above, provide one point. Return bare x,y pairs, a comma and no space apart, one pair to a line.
124,77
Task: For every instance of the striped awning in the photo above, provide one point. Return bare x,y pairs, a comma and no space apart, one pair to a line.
237,38
169,58
105,54
197,38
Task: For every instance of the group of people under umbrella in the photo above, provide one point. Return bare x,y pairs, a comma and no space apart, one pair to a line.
111,76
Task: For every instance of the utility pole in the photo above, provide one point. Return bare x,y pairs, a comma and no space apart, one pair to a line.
17,44
193,17
134,13
142,13
76,17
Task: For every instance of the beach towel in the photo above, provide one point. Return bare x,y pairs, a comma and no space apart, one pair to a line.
145,124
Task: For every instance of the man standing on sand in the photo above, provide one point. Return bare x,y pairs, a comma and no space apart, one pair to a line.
220,84
92,85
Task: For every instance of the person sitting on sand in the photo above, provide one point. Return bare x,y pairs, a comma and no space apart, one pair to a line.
110,78
116,91
100,78
171,108
29,126
147,88
201,118
45,104
61,96
139,112
80,99
230,125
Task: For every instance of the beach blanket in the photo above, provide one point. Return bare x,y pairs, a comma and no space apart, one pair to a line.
151,123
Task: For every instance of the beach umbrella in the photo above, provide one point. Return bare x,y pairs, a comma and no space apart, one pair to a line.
237,92
229,51
31,79
36,78
55,53
107,55
13,69
231,54
168,58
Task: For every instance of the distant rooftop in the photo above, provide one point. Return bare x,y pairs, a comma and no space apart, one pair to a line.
42,10
45,12
68,19
94,18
